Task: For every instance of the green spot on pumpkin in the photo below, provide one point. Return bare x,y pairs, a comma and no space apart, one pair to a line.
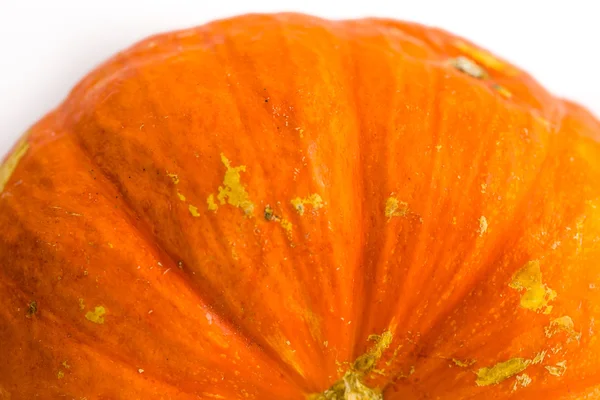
269,214
193,211
233,191
174,178
501,371
483,225
469,67
314,200
96,316
210,201
563,324
463,364
558,369
287,226
351,386
395,208
536,294
9,166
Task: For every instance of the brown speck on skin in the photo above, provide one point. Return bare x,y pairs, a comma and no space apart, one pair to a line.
32,309
270,214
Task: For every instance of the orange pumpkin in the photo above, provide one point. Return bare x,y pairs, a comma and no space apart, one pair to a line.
283,207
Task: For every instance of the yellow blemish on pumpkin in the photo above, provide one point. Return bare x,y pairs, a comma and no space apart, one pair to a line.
81,304
579,234
60,374
483,225
483,187
212,396
501,371
558,369
395,208
96,316
351,386
539,357
314,199
174,177
285,224
542,121
394,356
523,380
111,245
502,91
556,348
181,196
464,364
563,324
9,166
469,67
66,365
483,57
537,295
233,192
210,201
193,210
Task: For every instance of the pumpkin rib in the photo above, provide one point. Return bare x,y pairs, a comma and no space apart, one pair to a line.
302,274
428,197
82,341
151,240
82,338
361,272
370,253
470,182
500,332
293,374
524,196
428,334
146,237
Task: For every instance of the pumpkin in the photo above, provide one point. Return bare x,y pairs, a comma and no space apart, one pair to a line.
285,207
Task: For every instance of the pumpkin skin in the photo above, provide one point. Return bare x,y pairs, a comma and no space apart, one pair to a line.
284,207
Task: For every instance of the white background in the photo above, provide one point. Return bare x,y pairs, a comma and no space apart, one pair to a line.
46,46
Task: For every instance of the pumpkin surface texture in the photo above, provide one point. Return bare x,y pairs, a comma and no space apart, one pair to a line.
284,207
